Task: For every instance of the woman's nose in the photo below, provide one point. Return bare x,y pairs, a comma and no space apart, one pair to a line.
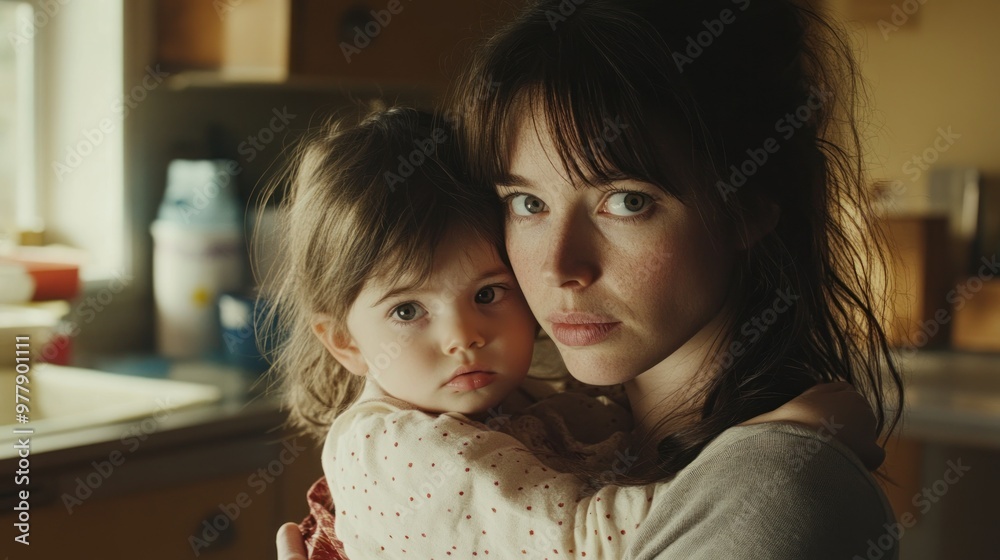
571,259
464,332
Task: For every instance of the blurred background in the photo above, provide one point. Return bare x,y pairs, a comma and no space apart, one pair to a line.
135,139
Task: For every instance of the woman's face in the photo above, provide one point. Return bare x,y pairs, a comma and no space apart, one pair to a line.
622,276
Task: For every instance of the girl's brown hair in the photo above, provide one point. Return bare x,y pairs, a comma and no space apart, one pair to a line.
730,106
365,199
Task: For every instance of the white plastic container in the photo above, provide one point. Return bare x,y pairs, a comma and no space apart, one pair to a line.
198,253
191,267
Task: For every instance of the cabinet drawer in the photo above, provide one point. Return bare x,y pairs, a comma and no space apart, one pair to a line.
167,523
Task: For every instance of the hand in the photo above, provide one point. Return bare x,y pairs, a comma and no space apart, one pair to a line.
841,410
290,543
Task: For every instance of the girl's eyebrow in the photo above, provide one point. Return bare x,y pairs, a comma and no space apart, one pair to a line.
501,271
397,291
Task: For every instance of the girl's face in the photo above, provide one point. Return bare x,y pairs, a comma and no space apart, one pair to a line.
460,342
621,277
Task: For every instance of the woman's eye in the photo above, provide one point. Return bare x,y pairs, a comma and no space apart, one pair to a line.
526,205
408,312
490,294
627,203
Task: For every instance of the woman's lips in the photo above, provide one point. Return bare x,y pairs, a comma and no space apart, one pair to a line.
579,328
471,381
582,334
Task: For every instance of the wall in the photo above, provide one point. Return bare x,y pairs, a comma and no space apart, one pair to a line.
936,71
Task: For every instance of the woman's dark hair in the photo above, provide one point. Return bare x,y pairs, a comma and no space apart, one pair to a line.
731,106
366,198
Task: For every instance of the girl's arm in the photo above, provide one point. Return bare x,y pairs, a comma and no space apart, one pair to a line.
442,486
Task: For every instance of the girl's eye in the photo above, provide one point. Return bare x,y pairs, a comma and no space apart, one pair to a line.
408,312
627,203
526,205
490,294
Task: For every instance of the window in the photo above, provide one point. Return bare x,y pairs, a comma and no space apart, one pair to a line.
61,138
18,200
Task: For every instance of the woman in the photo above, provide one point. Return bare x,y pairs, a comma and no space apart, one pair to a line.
687,215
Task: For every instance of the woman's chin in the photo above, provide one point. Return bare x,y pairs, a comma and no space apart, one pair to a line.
600,368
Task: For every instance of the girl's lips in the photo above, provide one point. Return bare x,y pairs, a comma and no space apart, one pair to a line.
471,381
584,334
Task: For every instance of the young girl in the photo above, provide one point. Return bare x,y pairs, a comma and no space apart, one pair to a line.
409,332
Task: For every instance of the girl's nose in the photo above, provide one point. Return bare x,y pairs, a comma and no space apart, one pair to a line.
464,332
571,259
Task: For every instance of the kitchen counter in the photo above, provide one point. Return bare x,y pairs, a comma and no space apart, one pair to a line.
214,478
239,413
952,397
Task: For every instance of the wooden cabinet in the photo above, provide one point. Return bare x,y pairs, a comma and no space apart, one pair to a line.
386,42
219,500
921,312
394,41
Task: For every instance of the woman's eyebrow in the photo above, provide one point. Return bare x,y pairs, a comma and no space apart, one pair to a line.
519,182
515,181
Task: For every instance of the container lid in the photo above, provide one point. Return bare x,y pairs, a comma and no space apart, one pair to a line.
202,193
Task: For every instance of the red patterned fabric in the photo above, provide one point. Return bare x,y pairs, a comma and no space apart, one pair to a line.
317,529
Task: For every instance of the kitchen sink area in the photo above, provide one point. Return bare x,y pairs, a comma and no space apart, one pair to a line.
62,398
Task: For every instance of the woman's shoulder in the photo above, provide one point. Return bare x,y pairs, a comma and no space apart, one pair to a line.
775,490
792,464
784,445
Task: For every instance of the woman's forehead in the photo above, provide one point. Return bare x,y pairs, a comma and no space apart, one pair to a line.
536,156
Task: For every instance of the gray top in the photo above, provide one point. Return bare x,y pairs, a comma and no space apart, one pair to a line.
775,491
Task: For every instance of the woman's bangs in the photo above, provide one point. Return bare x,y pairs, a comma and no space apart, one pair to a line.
600,133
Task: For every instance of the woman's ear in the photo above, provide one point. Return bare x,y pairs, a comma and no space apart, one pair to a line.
340,345
761,217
